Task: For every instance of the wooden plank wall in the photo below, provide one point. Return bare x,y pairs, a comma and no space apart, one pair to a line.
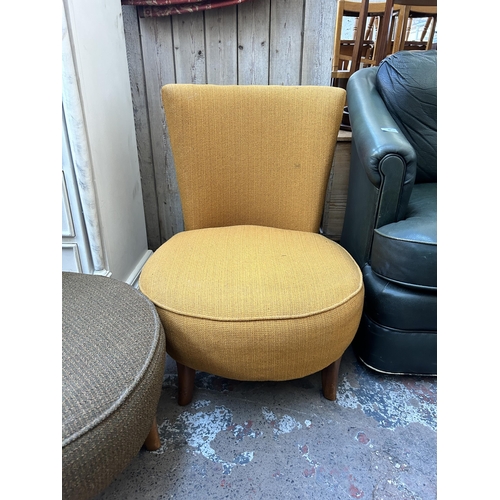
275,42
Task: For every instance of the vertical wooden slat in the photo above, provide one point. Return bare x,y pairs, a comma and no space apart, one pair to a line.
189,47
358,44
141,118
253,42
333,217
319,22
159,70
221,46
286,42
325,220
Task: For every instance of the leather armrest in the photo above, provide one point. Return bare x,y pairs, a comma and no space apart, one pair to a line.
383,166
374,130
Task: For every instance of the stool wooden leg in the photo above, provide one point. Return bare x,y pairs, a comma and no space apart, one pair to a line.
329,380
153,442
186,384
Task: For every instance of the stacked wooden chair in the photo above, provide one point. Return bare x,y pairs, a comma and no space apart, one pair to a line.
380,29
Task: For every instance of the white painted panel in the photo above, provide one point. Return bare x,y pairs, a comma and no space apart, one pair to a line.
80,258
100,59
71,258
68,228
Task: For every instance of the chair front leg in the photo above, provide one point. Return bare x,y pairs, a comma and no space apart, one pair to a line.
329,380
153,442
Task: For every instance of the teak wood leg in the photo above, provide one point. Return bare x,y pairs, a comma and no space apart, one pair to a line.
186,384
153,442
329,380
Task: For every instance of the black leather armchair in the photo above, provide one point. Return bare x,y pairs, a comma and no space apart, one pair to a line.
390,225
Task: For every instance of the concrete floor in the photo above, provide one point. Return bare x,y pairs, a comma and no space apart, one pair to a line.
274,440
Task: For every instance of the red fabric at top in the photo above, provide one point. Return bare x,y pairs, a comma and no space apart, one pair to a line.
162,2
160,8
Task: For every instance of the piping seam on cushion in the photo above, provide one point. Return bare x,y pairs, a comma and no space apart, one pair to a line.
129,390
269,318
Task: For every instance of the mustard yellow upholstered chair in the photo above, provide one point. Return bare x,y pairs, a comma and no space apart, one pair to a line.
251,290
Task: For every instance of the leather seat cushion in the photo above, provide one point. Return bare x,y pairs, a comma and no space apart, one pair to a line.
390,350
406,251
255,302
399,307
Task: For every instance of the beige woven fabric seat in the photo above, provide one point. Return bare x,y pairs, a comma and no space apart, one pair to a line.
250,290
113,358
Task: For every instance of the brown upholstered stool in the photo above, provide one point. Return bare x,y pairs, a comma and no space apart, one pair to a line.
113,358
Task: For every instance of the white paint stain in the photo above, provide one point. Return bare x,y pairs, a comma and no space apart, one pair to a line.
287,424
240,431
392,405
200,404
284,425
304,451
268,415
199,431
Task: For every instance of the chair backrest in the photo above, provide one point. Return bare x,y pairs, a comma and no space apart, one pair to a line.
252,154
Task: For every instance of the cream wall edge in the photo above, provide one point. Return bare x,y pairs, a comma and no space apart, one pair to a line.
95,30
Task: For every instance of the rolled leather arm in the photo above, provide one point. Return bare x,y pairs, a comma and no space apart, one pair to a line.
374,132
382,169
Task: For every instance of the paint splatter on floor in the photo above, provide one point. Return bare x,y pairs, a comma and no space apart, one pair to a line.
285,440
392,402
200,429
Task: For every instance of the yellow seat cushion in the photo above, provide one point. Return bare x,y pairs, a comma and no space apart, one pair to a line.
255,302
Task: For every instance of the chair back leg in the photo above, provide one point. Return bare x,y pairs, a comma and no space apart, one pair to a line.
186,384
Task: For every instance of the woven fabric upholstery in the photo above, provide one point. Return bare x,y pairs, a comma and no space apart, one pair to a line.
113,357
249,291
254,154
254,302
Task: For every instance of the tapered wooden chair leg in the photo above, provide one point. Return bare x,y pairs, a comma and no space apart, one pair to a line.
186,384
330,379
153,442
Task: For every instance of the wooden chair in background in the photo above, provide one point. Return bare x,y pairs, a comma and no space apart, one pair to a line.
384,38
380,29
350,55
406,14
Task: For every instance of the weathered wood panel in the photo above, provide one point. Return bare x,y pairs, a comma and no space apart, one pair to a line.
253,42
189,47
139,100
336,196
222,46
287,18
280,42
158,51
319,22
